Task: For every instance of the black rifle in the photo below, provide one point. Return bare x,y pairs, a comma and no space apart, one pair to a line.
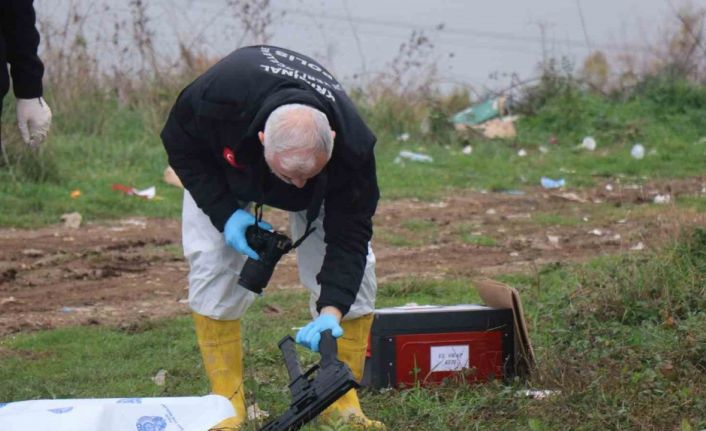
311,396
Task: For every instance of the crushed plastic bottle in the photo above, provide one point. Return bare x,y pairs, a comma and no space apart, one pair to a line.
588,143
638,151
549,183
414,157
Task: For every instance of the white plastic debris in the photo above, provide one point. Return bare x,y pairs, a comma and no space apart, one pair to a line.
467,149
434,205
596,232
255,413
491,211
414,157
549,183
537,394
588,143
403,137
609,187
522,152
71,220
662,199
638,152
148,193
638,247
160,378
554,240
8,300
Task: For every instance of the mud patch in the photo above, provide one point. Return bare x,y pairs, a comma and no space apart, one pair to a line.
130,272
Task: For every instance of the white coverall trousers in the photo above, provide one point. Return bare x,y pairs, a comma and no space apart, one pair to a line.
215,267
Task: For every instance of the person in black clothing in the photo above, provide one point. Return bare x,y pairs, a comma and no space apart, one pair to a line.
19,40
267,125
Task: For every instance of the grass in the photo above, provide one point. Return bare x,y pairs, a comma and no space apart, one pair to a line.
623,339
121,145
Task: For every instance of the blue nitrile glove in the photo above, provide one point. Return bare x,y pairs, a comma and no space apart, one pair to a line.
234,232
310,335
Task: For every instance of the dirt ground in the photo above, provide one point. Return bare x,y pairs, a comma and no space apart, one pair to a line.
126,271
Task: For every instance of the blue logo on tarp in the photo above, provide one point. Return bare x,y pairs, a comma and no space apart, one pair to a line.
151,423
61,410
130,401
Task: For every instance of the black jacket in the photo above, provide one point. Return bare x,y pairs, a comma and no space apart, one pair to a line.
212,143
19,40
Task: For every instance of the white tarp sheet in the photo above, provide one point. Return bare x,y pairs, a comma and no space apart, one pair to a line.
116,414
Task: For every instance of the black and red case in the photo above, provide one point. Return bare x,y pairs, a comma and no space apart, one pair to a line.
427,344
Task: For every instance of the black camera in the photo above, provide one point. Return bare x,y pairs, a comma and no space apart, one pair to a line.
270,246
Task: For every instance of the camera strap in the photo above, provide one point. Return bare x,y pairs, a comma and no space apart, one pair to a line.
309,229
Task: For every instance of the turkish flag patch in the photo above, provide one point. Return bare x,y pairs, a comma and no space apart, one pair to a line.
229,155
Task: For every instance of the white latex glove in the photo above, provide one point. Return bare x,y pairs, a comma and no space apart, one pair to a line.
33,120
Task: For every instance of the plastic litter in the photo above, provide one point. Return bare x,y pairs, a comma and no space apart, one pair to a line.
543,149
8,300
403,137
467,149
554,241
537,394
71,220
596,232
573,197
522,153
414,157
481,112
148,193
109,414
160,378
489,118
32,252
513,192
662,199
638,152
255,413
549,183
588,143
638,247
75,194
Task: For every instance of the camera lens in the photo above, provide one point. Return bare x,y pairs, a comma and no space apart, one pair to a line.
255,275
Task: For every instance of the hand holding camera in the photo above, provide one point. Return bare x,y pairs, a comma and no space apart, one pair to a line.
235,232
270,246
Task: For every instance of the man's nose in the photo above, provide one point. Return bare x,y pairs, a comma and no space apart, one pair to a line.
299,182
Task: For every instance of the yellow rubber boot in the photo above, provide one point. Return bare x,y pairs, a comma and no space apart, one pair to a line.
351,350
222,353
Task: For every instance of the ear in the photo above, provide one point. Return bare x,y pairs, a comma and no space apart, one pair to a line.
333,134
261,135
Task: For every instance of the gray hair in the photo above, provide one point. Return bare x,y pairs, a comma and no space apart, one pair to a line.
297,127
